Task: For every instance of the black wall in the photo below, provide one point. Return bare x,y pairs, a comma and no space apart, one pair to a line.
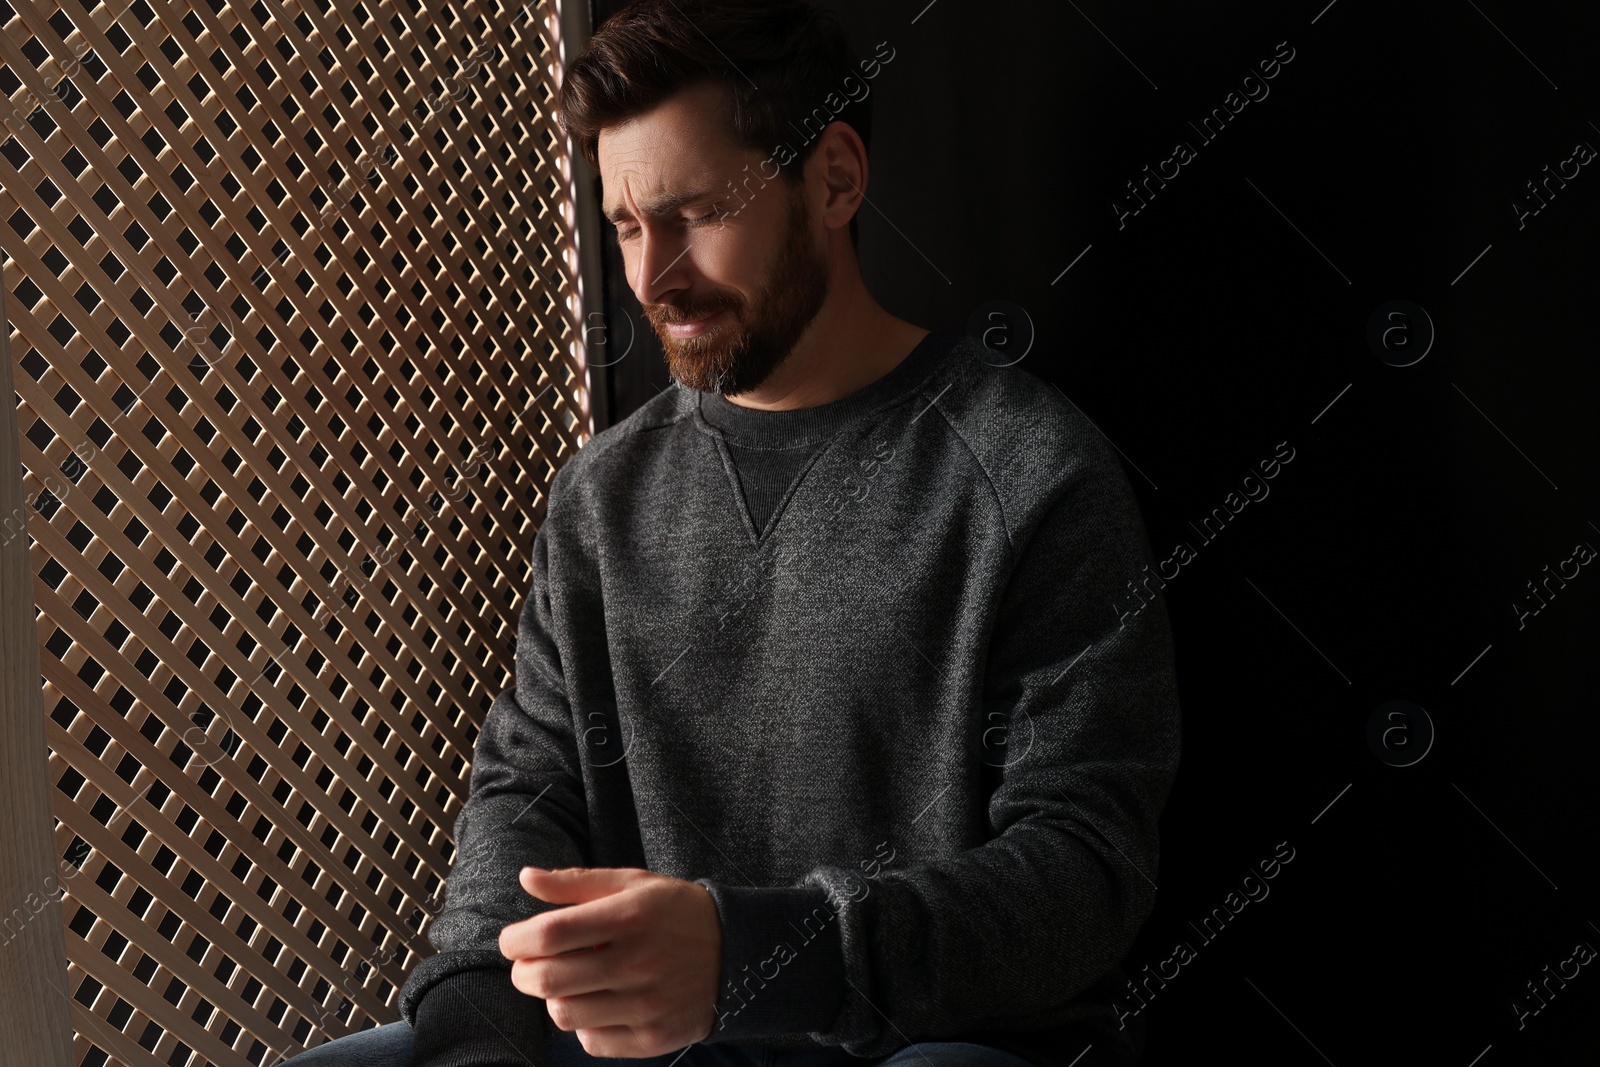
1387,560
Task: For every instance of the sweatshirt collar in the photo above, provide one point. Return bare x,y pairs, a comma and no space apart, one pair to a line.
801,426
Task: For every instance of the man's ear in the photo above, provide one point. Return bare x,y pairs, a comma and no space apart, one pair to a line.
840,163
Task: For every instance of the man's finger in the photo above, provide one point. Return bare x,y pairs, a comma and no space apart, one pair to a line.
585,970
575,885
581,926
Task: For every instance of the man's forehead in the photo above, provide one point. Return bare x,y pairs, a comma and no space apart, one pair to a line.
658,190
681,144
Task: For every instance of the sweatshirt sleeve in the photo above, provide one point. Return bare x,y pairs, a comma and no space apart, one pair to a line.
1002,937
525,806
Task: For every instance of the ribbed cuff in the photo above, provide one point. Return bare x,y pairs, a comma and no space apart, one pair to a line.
782,961
478,1018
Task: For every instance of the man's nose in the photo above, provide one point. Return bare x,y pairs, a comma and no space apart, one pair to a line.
662,258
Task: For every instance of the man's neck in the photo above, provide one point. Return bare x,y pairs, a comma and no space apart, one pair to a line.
830,363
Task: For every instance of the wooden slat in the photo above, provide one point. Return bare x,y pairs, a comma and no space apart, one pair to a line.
34,1010
294,366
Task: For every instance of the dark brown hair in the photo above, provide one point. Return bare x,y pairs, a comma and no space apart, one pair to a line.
794,52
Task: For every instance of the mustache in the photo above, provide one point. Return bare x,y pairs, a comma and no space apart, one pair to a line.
676,316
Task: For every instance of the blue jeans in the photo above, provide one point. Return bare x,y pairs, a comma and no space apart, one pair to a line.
390,1046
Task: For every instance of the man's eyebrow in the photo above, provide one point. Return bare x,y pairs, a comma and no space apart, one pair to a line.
661,205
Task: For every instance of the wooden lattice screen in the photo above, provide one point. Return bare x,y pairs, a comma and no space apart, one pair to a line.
296,356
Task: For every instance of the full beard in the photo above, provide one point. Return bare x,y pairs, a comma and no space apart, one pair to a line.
738,354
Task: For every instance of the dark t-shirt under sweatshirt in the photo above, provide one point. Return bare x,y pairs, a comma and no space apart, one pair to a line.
859,671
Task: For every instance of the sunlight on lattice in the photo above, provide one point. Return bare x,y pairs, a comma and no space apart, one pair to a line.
291,299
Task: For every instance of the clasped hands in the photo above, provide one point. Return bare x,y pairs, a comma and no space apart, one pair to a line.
632,964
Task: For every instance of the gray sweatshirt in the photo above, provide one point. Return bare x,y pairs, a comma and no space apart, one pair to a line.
905,732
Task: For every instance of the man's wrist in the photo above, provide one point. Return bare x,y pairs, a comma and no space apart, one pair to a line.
782,960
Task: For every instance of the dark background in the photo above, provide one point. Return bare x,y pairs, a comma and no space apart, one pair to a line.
1229,315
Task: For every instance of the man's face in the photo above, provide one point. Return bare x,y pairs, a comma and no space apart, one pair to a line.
692,251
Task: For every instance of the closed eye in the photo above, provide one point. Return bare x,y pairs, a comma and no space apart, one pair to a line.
703,220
